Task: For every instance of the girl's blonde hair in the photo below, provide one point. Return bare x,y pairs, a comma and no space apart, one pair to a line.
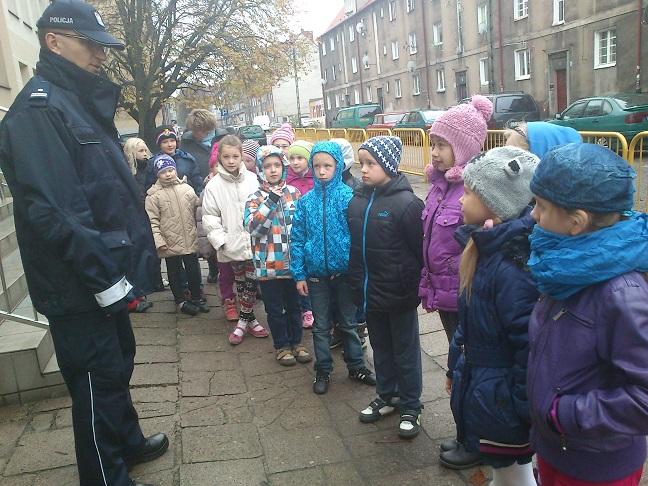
467,267
232,141
130,151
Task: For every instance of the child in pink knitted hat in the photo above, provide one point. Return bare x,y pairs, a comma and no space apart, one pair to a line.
455,138
283,137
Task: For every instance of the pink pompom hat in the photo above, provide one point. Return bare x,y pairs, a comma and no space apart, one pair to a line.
284,132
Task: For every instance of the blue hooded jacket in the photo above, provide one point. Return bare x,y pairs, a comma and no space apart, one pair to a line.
543,136
320,241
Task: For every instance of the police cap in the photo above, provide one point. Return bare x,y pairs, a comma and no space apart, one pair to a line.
82,18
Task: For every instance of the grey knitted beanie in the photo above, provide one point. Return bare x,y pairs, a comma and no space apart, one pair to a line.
501,179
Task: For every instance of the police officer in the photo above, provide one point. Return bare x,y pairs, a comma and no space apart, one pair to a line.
83,234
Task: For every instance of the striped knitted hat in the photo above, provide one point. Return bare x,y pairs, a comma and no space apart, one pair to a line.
387,152
250,148
284,132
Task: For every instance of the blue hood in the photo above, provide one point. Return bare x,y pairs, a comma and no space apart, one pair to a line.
544,136
333,149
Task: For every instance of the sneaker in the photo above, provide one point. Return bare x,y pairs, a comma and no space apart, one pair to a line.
410,424
231,312
187,308
363,375
201,305
236,336
255,329
321,382
378,409
165,282
363,342
307,320
362,330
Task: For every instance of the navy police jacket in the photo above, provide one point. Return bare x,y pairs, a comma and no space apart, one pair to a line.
83,234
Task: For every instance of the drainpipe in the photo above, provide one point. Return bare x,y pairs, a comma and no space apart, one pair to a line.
358,65
427,57
501,47
638,71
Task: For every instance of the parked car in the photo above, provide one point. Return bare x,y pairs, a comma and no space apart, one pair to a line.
358,116
514,106
252,132
626,113
387,120
422,119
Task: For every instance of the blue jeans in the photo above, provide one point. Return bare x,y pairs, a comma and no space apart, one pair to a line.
280,299
395,342
322,291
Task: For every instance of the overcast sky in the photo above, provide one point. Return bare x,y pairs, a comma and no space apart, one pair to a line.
316,15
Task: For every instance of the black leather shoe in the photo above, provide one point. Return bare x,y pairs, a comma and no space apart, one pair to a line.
135,483
460,458
448,445
153,447
321,383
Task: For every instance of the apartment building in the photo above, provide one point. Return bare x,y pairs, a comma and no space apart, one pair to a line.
18,46
407,54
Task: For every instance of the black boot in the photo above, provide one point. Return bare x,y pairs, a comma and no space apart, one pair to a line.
460,458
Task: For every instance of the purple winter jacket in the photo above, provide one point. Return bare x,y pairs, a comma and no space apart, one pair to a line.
591,351
439,285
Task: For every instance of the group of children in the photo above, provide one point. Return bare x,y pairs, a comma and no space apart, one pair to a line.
530,253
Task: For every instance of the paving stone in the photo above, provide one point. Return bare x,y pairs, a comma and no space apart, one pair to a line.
155,394
437,419
209,342
10,432
162,307
64,476
150,409
434,343
14,412
209,361
22,480
191,327
156,354
155,337
313,476
297,449
41,422
220,443
63,418
155,374
342,473
52,404
429,322
154,321
227,383
197,412
160,478
434,385
430,476
195,383
244,472
42,450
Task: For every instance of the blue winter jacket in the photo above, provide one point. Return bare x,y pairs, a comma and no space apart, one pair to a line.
186,165
320,241
488,354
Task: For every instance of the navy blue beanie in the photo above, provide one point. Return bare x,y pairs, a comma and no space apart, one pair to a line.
387,151
585,176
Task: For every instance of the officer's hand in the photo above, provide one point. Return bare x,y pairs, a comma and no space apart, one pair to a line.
163,248
302,288
448,386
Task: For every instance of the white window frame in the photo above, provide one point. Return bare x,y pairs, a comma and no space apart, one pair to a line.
369,96
382,13
366,56
334,75
558,12
354,65
395,54
351,33
384,49
441,86
520,9
392,10
356,96
482,18
437,34
610,34
337,100
326,74
410,5
413,48
328,102
416,83
386,87
522,64
483,71
398,89
332,43
323,48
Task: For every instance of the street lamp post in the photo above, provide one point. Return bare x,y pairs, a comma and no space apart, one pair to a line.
294,58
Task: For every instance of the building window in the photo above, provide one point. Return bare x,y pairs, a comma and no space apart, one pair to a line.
559,12
417,85
351,33
337,100
522,64
440,80
412,43
324,48
520,9
365,60
354,65
410,5
387,87
394,50
369,98
482,18
334,75
483,71
384,50
328,102
398,93
437,34
382,13
356,94
326,74
392,10
605,48
332,43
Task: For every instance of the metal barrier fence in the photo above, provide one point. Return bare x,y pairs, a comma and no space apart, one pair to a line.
612,140
416,150
377,132
338,132
494,138
638,159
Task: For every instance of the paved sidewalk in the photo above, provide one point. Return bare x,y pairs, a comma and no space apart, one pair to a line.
235,417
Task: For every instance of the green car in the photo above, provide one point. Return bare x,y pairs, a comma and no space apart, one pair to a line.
252,132
358,116
422,119
626,113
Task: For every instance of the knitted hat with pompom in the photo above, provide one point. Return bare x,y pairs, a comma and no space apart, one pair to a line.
464,128
284,132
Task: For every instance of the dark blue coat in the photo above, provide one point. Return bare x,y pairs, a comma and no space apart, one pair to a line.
489,352
79,220
185,166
